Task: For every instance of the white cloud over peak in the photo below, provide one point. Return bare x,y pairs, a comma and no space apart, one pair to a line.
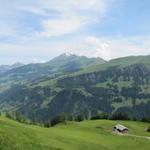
91,46
99,46
109,48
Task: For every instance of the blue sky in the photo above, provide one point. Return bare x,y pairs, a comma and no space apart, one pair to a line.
38,30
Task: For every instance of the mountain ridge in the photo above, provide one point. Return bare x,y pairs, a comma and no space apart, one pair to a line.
5,68
120,85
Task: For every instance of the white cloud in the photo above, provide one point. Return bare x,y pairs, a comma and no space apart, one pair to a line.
61,26
107,48
71,15
30,23
99,46
55,17
73,5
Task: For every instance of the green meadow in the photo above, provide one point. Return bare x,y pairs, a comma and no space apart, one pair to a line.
86,135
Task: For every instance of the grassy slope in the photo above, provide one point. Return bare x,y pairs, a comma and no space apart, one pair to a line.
122,62
87,135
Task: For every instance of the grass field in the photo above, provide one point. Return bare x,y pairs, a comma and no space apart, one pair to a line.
86,135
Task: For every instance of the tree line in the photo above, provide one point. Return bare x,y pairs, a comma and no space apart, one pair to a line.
63,118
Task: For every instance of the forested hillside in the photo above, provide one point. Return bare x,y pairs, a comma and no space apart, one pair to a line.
120,85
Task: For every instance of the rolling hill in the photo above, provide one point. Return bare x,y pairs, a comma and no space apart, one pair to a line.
42,91
90,135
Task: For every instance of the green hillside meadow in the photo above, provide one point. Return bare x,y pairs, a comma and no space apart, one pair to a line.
86,135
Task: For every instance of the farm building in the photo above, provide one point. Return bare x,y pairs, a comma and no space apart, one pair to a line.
120,128
148,129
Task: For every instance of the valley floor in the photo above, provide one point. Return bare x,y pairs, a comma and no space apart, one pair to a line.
86,135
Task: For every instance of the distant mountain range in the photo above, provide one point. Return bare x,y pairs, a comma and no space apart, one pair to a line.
71,84
64,63
5,68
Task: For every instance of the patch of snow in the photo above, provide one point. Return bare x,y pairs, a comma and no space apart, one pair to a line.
68,54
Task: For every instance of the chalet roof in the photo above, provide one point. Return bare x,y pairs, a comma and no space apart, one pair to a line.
121,127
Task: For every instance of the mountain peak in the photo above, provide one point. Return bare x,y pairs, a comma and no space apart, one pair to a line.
67,54
64,56
17,64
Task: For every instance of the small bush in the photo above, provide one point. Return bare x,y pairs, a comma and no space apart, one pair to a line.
79,118
58,119
145,120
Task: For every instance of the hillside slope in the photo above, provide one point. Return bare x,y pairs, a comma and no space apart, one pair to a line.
120,85
90,135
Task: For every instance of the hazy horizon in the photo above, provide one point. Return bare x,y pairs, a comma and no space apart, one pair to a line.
37,31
